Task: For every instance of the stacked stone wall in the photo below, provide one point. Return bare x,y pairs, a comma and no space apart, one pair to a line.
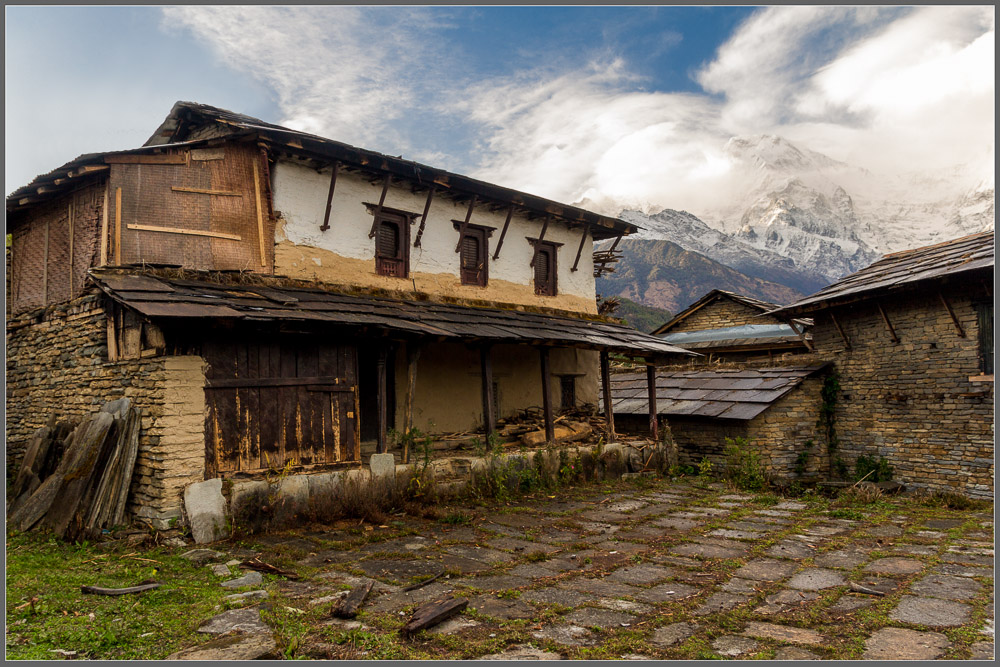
912,401
57,364
721,313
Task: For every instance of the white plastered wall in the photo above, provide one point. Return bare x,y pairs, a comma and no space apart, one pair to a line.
345,254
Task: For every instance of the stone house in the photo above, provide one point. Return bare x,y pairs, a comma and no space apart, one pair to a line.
911,342
271,298
775,408
725,327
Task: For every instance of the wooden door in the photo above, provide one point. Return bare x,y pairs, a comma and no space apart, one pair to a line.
272,402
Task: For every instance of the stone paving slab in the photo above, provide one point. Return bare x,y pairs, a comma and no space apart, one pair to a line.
849,603
816,579
737,585
732,646
766,570
785,601
672,634
902,644
522,652
599,587
676,524
561,596
399,570
705,551
982,651
785,633
931,612
736,534
847,559
498,582
521,547
960,570
502,608
670,592
794,653
968,559
641,575
792,549
246,621
720,601
894,565
946,587
600,618
567,635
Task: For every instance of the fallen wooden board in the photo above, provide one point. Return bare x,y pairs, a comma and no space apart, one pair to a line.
261,566
99,590
432,613
348,607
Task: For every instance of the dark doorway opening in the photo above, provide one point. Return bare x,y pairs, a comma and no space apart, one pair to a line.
368,390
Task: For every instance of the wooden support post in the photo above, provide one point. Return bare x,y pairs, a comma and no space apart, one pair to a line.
329,197
546,395
489,417
381,201
579,251
609,413
383,397
412,356
423,219
260,213
45,267
651,392
503,232
545,225
843,336
888,324
800,333
118,226
954,317
465,223
104,228
69,215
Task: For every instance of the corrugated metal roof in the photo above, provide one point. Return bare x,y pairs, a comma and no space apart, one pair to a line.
163,297
904,269
722,394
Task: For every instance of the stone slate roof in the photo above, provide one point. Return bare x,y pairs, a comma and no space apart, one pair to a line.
719,394
904,270
161,297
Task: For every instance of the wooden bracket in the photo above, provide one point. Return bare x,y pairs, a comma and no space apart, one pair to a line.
800,333
579,251
329,197
541,237
381,201
465,224
888,324
847,342
503,233
954,317
423,219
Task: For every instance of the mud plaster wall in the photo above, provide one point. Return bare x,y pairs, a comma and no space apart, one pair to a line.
345,254
912,401
57,364
448,396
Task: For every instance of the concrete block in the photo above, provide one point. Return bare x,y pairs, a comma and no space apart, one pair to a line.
383,468
292,497
206,510
248,496
323,486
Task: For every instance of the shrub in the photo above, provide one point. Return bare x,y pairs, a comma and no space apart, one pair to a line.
743,467
871,470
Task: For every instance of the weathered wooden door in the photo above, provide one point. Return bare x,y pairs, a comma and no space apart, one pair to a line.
273,402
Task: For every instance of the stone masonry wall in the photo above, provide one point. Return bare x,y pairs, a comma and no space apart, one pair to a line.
722,313
57,364
912,402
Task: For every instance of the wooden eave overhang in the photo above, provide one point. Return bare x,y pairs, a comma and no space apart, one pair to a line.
256,300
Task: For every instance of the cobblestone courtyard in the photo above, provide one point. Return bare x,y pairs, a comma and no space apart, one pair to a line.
650,569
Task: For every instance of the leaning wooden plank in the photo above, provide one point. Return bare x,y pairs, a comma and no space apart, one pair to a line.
34,508
99,590
348,607
432,613
34,456
128,466
89,495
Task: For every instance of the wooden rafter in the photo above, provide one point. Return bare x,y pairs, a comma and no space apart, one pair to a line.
423,218
465,223
503,232
381,200
800,333
579,251
954,317
888,324
840,330
329,197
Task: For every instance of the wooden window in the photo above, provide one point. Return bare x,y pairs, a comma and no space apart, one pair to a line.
474,262
392,245
545,269
984,315
567,387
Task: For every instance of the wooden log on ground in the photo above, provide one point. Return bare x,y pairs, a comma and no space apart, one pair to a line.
261,566
432,613
348,607
99,590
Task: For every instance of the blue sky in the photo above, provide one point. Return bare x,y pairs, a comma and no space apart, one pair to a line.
566,102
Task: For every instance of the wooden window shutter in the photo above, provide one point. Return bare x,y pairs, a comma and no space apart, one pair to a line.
545,275
388,240
392,247
473,258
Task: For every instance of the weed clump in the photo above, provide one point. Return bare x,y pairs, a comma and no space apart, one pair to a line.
743,467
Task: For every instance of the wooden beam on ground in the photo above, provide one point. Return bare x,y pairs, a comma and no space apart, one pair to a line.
118,226
954,317
651,393
260,213
381,201
189,232
541,237
609,413
465,223
486,365
840,330
432,613
383,397
546,395
503,232
423,218
412,357
329,197
104,228
579,251
888,324
348,607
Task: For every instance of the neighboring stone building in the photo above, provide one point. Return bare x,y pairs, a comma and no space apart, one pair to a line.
775,408
727,327
266,297
911,339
